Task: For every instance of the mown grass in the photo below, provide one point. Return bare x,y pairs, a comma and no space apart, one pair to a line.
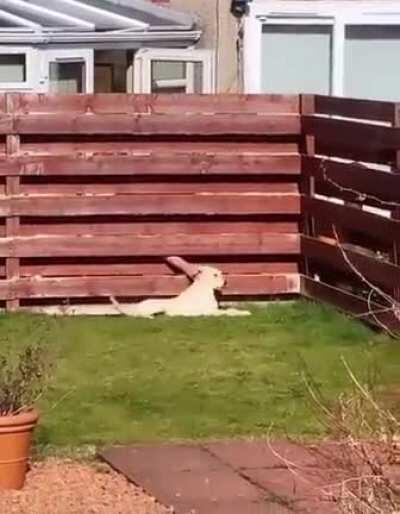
123,379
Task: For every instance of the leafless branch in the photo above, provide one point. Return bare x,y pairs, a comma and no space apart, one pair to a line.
360,197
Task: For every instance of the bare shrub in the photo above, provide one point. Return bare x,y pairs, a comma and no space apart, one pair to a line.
366,456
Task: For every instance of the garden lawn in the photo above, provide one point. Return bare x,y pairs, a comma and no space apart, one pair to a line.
123,379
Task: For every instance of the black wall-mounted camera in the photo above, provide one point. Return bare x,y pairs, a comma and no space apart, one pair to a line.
239,7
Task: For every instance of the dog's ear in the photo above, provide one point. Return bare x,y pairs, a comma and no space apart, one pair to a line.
191,270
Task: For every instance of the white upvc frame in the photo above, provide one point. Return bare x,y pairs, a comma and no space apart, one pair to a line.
142,79
337,13
32,64
85,55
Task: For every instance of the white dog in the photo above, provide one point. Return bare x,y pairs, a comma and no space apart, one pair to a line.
197,300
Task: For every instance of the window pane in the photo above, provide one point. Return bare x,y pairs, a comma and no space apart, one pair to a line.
296,59
371,55
12,68
66,77
198,77
168,70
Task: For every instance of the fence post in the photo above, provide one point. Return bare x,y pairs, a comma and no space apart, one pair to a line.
396,211
307,183
12,222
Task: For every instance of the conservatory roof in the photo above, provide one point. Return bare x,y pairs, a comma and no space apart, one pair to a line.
42,16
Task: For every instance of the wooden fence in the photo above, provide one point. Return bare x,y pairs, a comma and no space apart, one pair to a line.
286,194
351,205
97,190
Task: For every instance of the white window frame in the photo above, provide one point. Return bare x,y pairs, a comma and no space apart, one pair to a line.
142,70
337,13
31,67
85,55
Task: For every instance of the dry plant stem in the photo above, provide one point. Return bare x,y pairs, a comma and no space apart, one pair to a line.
372,286
368,396
361,197
394,305
375,492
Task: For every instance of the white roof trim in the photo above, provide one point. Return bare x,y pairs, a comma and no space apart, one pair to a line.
103,37
48,13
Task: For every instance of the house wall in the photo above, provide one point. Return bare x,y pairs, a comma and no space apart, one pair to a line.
220,30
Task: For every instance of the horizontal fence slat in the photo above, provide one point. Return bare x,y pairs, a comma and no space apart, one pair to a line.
147,205
186,245
135,188
343,132
379,184
150,124
355,108
376,271
343,216
29,227
348,303
160,163
86,287
123,145
148,104
78,269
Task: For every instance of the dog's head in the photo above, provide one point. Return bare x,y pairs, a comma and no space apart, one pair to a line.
212,276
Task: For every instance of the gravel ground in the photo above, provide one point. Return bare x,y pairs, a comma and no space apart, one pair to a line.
67,487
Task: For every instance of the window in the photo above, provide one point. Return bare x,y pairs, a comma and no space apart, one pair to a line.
68,70
332,47
66,77
287,51
19,68
12,68
371,54
173,71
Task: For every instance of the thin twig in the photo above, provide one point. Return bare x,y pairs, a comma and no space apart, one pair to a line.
361,197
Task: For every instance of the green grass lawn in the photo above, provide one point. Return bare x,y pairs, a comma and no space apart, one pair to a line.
123,379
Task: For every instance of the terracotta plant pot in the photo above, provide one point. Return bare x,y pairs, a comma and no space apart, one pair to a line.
15,442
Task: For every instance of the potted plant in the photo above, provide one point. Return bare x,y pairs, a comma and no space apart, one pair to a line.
23,377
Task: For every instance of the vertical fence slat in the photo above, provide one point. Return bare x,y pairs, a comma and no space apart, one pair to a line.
307,183
12,222
396,212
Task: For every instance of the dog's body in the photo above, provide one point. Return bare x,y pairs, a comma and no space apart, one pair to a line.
197,300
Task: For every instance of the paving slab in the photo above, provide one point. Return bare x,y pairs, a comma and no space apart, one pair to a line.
281,484
188,478
175,457
233,477
249,454
206,507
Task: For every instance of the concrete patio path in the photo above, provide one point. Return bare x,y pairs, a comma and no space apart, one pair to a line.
232,477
